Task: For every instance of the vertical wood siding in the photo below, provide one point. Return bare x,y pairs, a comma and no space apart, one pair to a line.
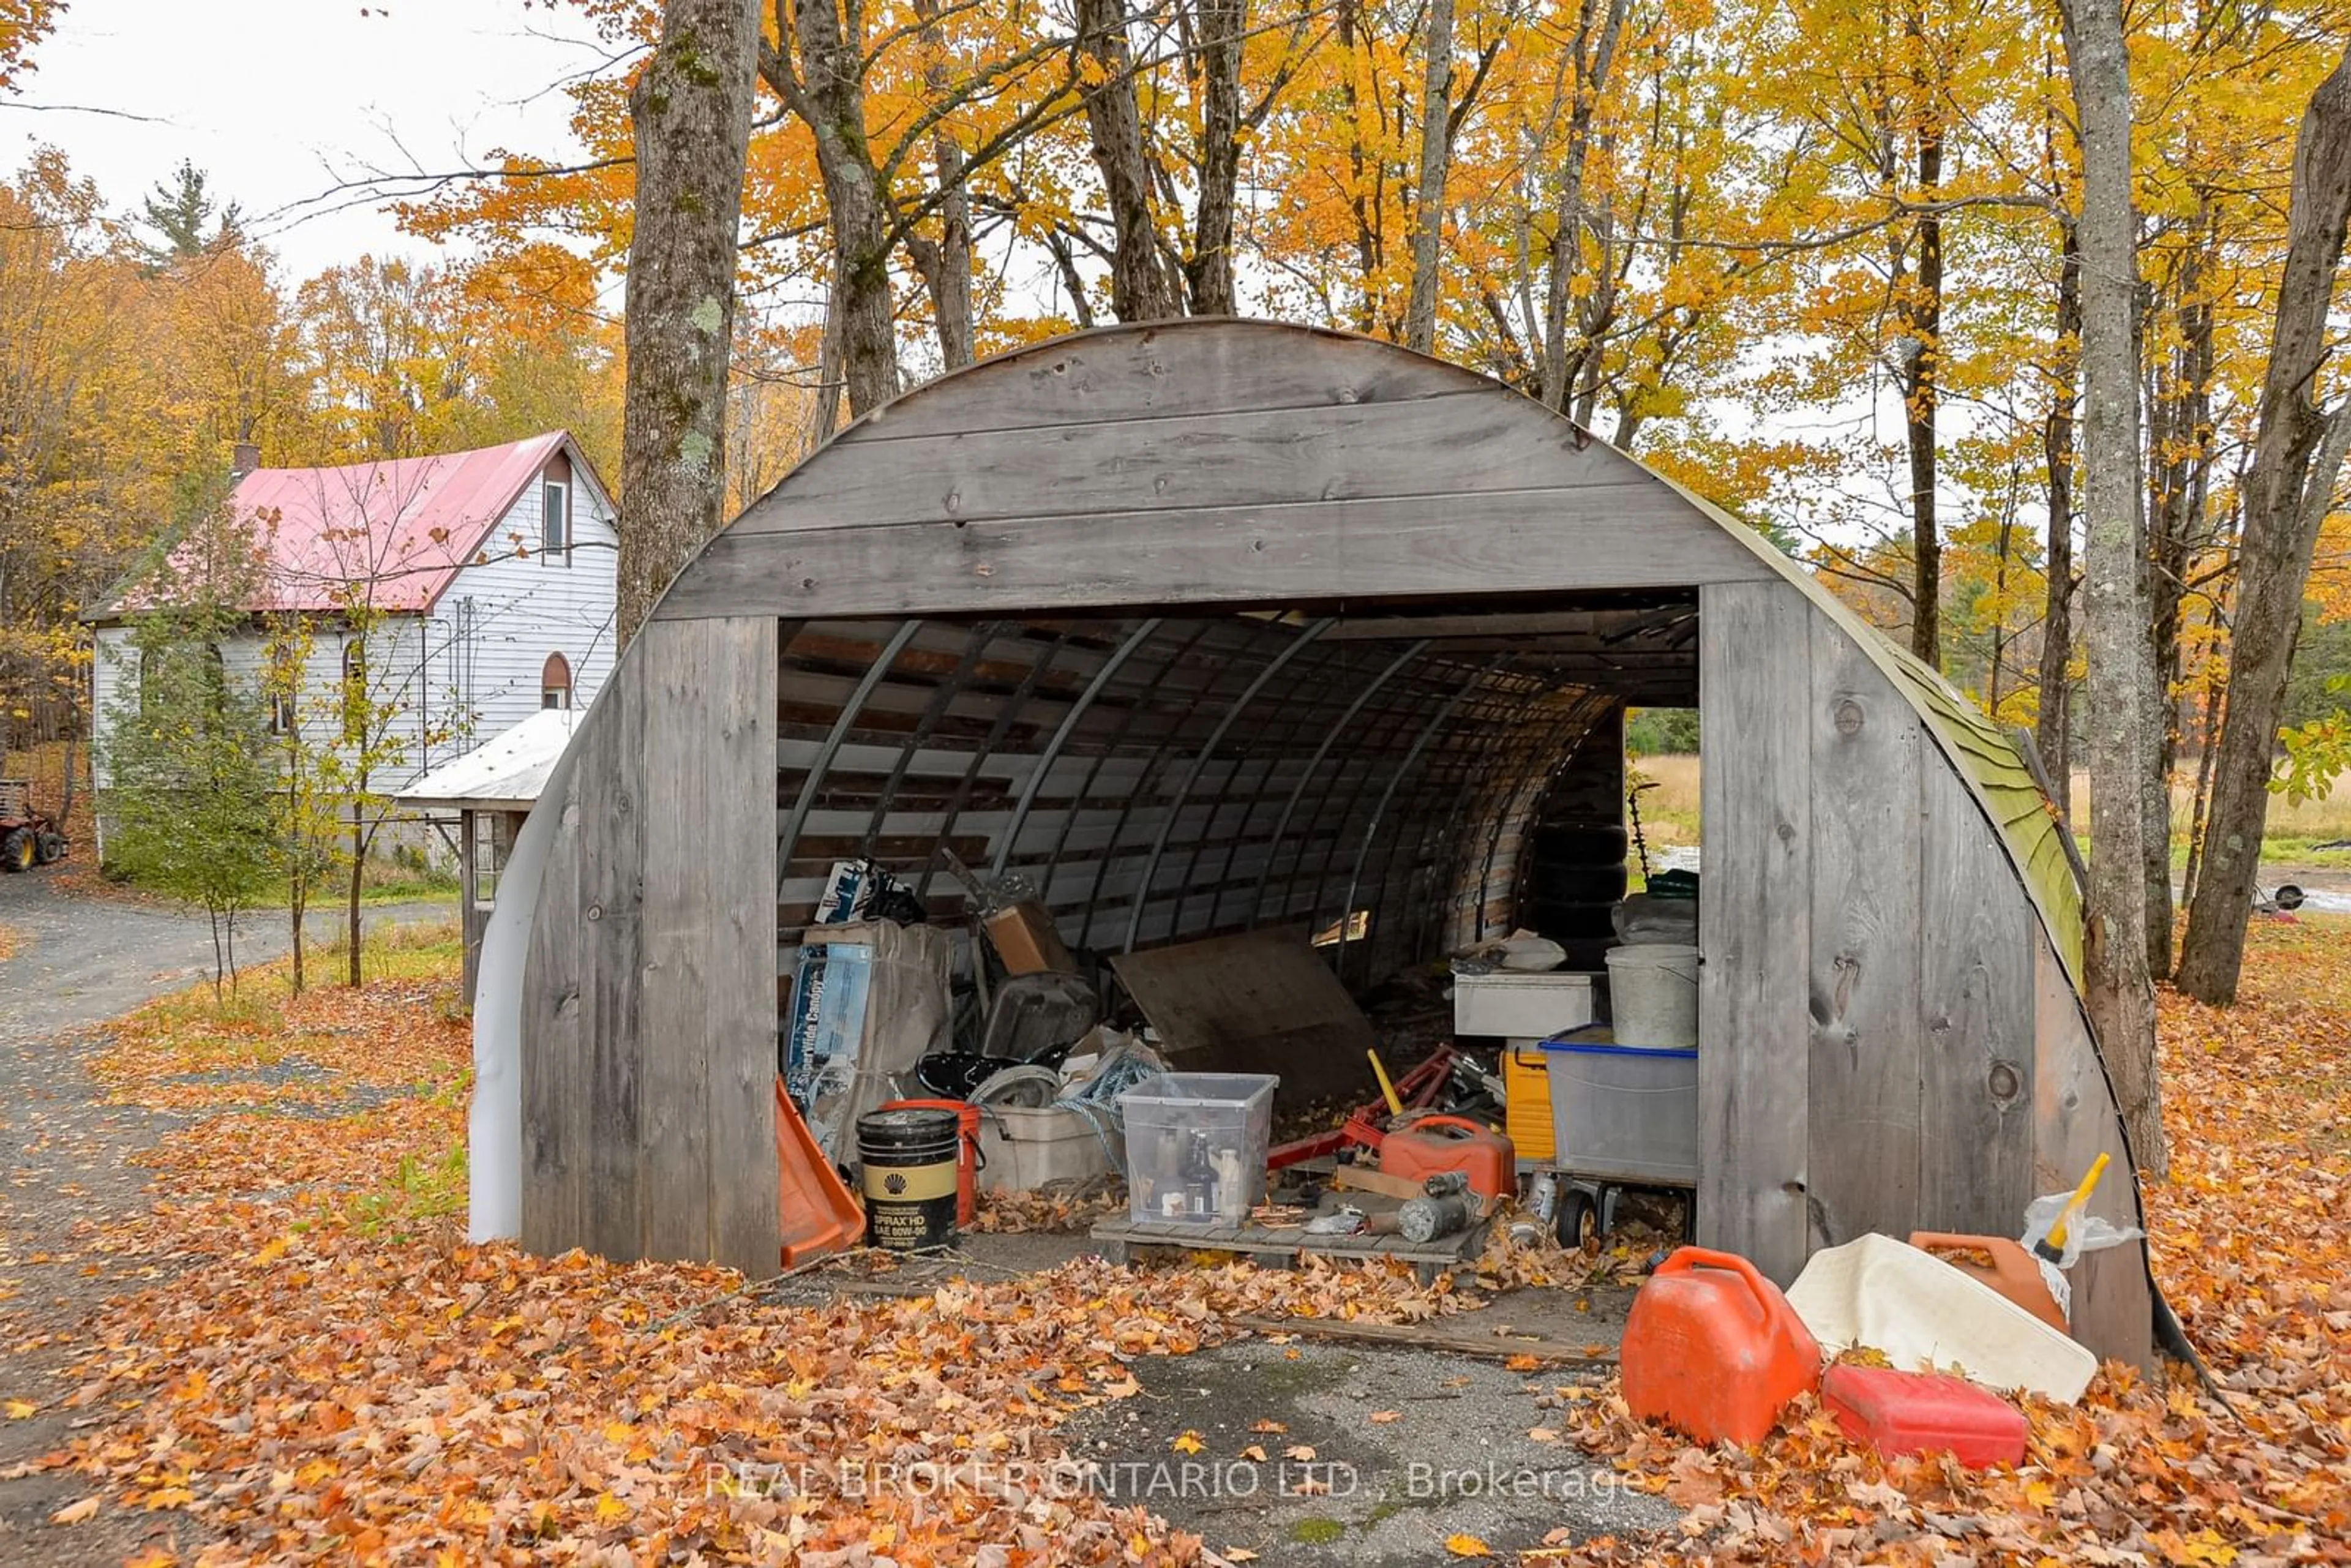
648,1026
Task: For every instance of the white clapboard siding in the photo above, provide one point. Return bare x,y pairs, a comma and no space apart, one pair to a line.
500,618
465,671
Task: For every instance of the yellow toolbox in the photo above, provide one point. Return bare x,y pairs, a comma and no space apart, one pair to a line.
1526,1089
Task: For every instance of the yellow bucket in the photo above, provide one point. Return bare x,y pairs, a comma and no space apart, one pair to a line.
1526,1086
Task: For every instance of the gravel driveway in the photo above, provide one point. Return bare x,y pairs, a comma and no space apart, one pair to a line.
76,960
83,959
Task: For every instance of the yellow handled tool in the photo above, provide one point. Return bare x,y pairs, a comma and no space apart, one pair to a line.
1387,1090
2052,1246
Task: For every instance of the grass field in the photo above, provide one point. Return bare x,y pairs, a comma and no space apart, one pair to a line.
1669,811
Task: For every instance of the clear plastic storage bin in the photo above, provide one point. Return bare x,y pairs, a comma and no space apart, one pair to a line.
1195,1146
1624,1112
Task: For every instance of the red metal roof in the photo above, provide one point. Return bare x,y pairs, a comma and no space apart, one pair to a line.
390,534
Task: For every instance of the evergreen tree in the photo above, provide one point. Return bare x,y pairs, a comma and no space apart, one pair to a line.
180,209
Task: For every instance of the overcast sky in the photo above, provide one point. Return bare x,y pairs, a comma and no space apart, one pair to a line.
277,100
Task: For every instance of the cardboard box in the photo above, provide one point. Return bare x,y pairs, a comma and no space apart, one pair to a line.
1024,937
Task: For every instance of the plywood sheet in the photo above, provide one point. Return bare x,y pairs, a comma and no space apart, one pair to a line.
1263,1001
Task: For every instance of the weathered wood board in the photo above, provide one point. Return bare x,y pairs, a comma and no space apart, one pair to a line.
1625,534
648,1040
1264,1001
1976,996
1119,1239
1754,924
1866,1049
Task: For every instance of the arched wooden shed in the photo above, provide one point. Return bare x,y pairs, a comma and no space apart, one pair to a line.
1221,624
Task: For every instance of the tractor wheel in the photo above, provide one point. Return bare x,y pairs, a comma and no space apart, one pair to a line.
48,848
16,850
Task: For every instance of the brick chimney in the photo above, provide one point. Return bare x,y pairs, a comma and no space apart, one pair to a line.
247,459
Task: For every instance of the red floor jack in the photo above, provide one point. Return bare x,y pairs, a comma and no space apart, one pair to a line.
1367,1125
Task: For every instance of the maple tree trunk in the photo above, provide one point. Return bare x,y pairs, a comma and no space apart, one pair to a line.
352,902
1429,194
2180,443
692,114
298,903
2052,723
2207,747
2298,450
830,102
1209,272
1589,75
946,262
951,288
1360,204
2121,996
1922,324
1139,286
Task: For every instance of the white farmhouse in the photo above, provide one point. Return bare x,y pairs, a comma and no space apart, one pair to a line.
488,578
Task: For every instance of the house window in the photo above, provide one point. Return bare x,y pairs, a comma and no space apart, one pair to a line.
555,524
281,713
555,682
492,840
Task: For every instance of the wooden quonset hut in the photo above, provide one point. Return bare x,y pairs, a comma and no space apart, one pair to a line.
1224,624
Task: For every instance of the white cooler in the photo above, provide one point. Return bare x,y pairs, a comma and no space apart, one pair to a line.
1519,1005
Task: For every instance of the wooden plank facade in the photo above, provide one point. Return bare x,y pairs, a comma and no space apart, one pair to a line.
1219,626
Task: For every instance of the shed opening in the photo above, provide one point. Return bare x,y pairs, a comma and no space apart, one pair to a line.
1370,777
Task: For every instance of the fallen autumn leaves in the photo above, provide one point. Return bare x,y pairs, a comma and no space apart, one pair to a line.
2251,1244
333,1373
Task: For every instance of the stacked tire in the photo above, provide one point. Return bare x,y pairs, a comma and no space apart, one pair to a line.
1575,876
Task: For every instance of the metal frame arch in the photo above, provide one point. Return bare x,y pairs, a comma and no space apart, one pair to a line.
821,763
1282,824
1371,829
1052,752
1273,667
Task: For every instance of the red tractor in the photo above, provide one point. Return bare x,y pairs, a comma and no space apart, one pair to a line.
27,838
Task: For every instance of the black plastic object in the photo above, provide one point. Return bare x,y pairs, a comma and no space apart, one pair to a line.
1034,1013
953,1074
1675,884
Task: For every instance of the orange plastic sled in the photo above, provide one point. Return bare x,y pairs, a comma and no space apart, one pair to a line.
816,1212
2012,1273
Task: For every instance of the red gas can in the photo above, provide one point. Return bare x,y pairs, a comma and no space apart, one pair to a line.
1712,1348
1924,1413
1420,1149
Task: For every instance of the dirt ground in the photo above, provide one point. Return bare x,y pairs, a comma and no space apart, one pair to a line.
1408,1445
74,961
79,957
1369,1456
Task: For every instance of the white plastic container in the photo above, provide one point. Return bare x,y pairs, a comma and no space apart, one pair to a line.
1890,1296
1652,993
1522,1006
1195,1146
1023,1147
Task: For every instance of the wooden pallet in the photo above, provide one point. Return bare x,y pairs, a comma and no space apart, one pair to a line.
1119,1238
